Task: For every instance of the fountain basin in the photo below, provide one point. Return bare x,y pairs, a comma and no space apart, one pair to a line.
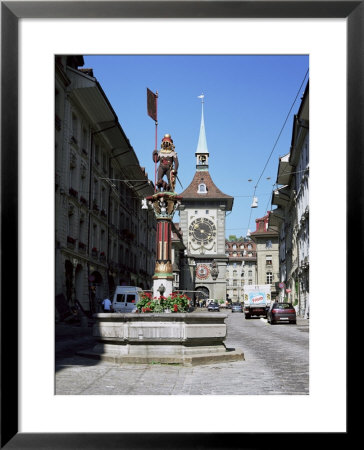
174,338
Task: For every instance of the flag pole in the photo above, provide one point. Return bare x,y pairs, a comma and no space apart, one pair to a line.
156,139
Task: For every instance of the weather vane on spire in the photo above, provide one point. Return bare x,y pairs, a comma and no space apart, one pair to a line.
202,96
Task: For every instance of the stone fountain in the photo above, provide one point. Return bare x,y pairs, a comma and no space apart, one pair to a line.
165,338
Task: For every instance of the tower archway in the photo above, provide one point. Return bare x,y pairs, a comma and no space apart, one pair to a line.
202,294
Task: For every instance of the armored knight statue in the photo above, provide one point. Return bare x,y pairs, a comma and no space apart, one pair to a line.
168,164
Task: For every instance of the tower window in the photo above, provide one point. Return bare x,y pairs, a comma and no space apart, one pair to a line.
202,188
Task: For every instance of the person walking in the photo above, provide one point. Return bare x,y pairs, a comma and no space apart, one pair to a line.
106,304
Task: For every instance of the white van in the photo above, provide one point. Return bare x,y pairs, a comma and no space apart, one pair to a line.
126,298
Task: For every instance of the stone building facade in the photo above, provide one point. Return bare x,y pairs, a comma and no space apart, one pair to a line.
292,213
103,237
242,267
266,238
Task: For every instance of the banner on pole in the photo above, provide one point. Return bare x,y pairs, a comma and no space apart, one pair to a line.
152,104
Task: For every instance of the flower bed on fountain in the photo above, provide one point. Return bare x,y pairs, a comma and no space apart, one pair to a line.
173,303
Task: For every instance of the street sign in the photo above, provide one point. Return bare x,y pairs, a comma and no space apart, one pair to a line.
281,285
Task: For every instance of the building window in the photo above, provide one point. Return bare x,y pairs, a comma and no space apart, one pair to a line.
103,240
268,244
207,211
73,171
94,236
96,193
74,127
269,278
97,154
104,162
202,188
268,260
70,223
250,273
84,139
250,282
103,198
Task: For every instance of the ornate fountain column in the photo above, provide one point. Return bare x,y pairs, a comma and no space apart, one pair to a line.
164,205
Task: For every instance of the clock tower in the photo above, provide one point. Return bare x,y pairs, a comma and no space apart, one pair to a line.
202,221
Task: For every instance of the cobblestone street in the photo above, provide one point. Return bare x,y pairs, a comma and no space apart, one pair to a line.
276,356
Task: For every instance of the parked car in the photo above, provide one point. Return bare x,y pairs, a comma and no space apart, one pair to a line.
281,313
236,307
213,306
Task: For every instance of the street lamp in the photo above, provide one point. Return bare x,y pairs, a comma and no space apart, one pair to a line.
255,202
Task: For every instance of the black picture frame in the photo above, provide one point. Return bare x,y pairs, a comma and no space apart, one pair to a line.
11,13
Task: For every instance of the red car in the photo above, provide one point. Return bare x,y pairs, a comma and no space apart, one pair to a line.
281,312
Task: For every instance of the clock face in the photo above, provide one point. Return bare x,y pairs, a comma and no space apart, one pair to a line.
202,231
202,271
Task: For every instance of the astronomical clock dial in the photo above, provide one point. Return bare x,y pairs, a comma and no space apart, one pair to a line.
202,271
202,231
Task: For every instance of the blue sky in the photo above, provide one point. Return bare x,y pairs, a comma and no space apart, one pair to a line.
247,99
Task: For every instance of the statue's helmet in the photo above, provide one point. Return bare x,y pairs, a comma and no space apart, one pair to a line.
167,141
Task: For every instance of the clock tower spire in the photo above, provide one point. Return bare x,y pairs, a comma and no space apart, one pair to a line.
202,153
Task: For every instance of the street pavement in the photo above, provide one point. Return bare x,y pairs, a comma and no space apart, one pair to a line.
276,362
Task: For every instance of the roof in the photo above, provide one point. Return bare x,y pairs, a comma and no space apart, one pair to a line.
263,227
284,170
276,218
300,128
213,192
281,196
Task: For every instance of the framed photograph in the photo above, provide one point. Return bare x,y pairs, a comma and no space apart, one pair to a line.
27,283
